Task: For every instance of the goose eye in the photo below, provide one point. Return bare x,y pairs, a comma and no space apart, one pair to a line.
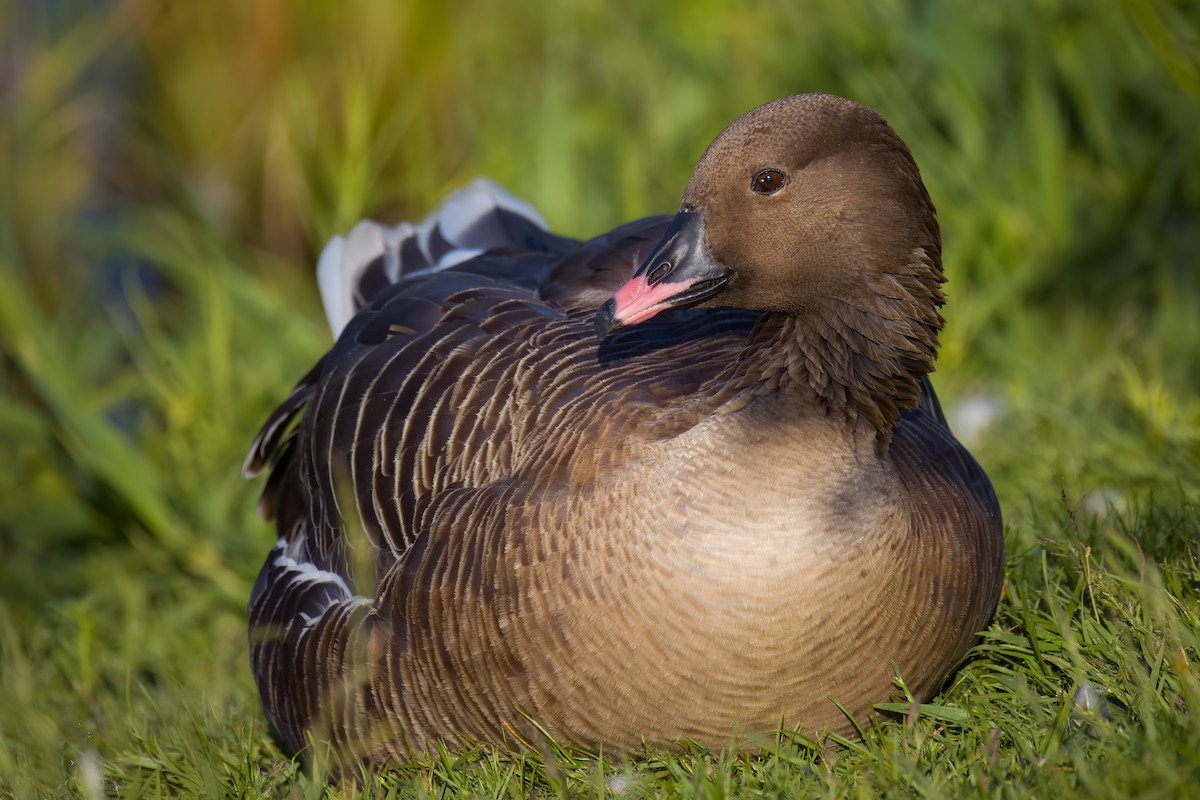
768,181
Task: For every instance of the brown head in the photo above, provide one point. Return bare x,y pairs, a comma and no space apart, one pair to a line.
798,202
812,208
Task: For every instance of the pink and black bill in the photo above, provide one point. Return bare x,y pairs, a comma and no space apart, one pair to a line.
680,273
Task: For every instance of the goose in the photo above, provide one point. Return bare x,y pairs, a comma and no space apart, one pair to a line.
687,480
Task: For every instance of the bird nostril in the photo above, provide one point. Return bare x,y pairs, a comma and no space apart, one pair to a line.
658,273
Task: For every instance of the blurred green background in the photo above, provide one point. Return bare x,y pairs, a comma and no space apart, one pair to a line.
169,172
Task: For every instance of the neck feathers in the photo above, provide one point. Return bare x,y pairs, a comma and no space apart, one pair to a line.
861,357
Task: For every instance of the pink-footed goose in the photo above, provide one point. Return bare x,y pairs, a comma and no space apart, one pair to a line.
535,482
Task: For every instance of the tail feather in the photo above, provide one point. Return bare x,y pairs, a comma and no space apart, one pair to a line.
479,218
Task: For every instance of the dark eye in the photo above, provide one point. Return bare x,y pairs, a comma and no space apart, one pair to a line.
768,181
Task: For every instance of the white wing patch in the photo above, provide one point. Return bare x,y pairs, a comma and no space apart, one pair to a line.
305,572
455,232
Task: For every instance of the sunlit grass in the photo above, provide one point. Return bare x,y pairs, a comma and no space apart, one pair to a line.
168,172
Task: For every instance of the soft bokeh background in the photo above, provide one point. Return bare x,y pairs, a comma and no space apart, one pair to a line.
169,172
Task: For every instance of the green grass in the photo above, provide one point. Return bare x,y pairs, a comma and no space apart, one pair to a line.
169,171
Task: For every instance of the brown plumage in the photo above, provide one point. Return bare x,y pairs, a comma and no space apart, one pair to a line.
694,525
